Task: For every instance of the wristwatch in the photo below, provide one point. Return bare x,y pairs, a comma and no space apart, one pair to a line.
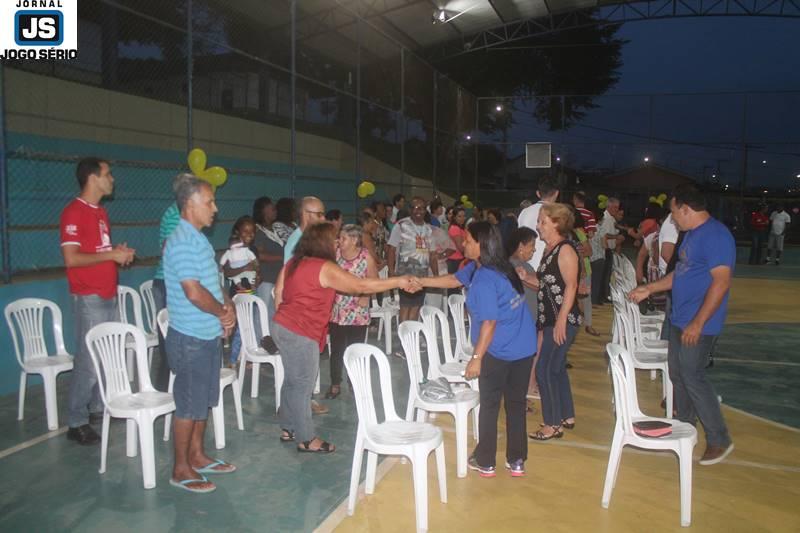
476,356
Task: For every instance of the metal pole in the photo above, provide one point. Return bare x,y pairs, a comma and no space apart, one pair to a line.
4,233
744,143
358,112
403,119
477,142
293,98
189,77
435,124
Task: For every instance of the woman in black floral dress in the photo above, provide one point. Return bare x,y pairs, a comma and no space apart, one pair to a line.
559,318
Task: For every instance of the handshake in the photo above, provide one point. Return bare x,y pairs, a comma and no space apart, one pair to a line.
410,284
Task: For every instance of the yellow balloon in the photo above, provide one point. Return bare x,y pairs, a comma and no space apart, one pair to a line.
662,197
468,204
652,200
197,161
464,199
216,176
602,204
370,188
362,190
602,198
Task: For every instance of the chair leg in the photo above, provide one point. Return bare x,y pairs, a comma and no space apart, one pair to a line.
148,452
237,403
130,448
23,380
652,375
441,469
218,414
685,460
316,385
278,384
129,360
381,320
613,466
462,421
168,417
387,324
668,392
355,474
255,376
50,400
104,441
150,358
372,469
422,415
419,468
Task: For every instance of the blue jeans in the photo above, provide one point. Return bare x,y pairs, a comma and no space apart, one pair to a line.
694,394
196,363
552,377
84,394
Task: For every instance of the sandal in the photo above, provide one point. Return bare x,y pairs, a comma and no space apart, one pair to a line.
187,484
591,331
557,434
333,392
325,447
287,435
567,425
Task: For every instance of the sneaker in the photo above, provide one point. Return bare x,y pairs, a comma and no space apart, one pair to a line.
317,408
483,471
83,435
715,454
516,468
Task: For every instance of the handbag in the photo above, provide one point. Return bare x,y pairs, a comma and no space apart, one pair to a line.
652,428
436,390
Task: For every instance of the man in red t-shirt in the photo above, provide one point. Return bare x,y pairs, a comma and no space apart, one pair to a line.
759,223
91,264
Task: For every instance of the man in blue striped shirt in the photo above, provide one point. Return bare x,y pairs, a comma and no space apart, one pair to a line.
199,314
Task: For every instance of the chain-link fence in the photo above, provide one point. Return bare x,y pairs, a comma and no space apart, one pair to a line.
154,79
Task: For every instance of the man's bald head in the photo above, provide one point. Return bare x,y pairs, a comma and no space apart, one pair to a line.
312,210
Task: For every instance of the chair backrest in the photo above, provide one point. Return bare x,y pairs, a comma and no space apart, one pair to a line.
409,333
162,318
435,320
357,359
623,373
124,293
246,321
149,301
26,317
106,343
388,296
456,304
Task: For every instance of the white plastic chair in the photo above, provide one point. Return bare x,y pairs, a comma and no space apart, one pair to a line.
681,441
151,337
108,343
149,302
26,316
388,310
452,369
466,400
393,436
227,376
252,352
645,360
463,351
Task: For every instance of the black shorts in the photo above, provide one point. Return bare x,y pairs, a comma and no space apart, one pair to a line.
412,300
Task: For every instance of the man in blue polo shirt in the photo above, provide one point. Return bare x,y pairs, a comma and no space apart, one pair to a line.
199,315
700,285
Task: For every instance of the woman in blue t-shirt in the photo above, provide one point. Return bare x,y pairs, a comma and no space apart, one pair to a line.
504,336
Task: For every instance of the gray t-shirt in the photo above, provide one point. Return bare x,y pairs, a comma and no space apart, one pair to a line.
530,294
263,243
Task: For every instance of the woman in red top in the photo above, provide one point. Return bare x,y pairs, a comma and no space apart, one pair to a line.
457,233
304,295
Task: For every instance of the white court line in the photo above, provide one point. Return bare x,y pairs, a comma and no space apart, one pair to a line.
336,516
755,361
32,442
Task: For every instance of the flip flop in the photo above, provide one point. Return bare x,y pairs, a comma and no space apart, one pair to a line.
289,437
325,447
211,468
185,485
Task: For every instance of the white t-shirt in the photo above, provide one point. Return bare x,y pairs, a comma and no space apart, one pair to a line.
441,241
779,221
667,233
413,244
608,227
239,255
529,217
